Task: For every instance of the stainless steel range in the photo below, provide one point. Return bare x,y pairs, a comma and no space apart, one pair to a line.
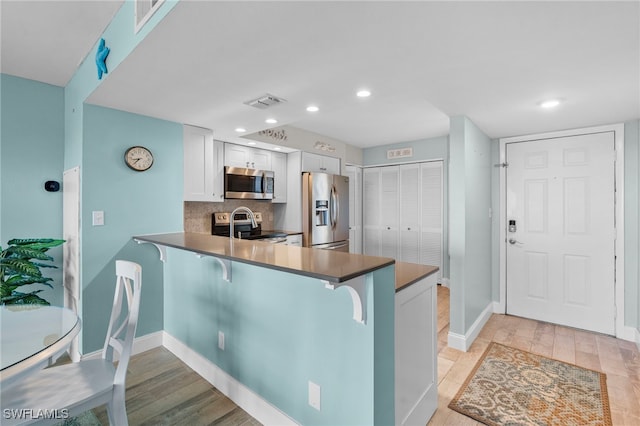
243,229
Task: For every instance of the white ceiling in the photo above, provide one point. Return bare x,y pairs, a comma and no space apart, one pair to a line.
424,62
47,40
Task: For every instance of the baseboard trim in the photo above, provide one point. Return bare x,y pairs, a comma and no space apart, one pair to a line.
638,339
444,282
627,333
464,342
241,395
498,308
140,344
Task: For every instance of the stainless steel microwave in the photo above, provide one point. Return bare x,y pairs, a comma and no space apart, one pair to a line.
248,183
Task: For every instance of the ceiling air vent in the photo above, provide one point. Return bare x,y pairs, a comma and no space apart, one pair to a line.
265,101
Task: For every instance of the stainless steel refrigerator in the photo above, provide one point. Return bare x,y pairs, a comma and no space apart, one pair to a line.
325,211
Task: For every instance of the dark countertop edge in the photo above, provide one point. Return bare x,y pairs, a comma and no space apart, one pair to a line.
415,279
331,278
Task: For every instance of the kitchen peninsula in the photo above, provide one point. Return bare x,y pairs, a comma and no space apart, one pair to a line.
270,323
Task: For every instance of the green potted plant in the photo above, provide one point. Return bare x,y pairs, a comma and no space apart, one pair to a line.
20,265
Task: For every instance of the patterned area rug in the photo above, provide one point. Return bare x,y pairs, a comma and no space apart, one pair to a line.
515,387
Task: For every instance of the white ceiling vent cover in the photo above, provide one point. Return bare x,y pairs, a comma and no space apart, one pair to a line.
265,101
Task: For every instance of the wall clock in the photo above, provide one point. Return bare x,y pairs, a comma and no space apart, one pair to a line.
138,158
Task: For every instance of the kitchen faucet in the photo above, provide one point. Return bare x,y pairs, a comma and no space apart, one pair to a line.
232,219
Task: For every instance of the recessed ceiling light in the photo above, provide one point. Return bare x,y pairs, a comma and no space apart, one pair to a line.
240,129
277,148
363,93
271,121
551,103
312,108
251,143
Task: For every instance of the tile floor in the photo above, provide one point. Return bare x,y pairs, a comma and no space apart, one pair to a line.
618,359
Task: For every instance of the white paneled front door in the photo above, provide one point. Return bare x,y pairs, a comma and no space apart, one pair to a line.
561,230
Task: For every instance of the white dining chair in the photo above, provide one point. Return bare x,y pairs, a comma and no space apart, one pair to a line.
71,389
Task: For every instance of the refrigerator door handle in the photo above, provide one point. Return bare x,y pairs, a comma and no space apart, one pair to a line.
334,207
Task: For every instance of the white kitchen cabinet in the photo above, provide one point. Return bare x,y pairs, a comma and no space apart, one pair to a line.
294,240
416,370
279,167
320,163
402,212
203,165
246,157
355,208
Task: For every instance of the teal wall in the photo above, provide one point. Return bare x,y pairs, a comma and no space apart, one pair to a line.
134,203
95,140
423,150
283,330
469,223
632,223
31,143
121,39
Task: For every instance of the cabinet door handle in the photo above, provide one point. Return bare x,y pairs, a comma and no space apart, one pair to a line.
247,164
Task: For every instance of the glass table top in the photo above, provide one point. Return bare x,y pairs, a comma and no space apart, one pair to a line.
34,331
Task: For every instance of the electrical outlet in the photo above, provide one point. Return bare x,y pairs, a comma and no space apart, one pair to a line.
221,340
97,218
314,395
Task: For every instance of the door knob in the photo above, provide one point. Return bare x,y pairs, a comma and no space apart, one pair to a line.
514,241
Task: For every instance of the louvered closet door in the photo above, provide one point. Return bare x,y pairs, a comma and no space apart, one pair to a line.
431,226
389,180
371,211
409,214
355,208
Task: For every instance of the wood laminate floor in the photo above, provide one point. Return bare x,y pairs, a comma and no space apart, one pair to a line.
162,390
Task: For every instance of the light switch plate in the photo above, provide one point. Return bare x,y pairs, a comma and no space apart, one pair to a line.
314,395
221,340
97,217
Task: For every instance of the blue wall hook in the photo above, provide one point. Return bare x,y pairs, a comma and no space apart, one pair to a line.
101,57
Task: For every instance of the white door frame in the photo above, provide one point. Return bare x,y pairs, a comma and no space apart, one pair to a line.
622,332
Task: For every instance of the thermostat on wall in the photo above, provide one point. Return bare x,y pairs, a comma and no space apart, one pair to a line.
51,186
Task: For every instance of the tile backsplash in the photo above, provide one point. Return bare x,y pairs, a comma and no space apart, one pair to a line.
197,215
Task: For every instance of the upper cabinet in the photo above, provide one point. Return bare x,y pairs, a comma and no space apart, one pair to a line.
203,165
260,159
279,167
247,157
320,163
